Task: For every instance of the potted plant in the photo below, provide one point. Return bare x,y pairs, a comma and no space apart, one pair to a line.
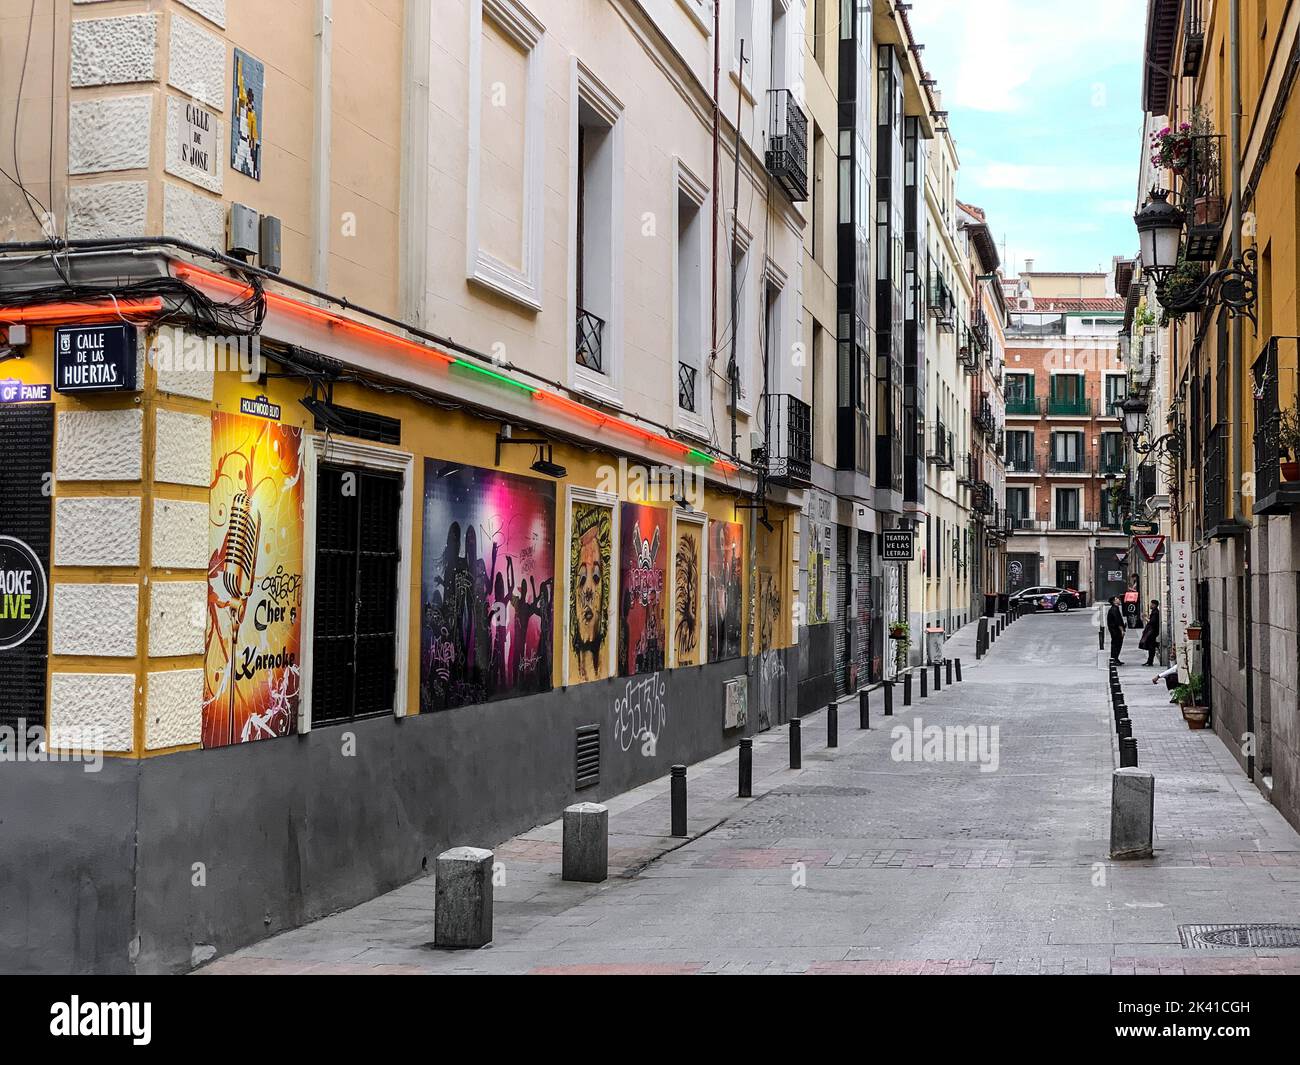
1189,700
1193,631
898,630
1177,294
1171,148
1288,441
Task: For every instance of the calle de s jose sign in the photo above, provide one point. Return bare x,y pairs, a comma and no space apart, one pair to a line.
95,358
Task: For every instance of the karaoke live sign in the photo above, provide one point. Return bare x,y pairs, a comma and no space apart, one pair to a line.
94,358
898,545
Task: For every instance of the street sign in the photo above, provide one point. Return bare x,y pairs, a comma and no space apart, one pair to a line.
1141,528
899,545
1152,547
94,358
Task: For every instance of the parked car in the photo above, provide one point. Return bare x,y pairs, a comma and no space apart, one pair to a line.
1048,597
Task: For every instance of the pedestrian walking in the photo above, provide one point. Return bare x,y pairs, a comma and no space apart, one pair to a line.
1115,623
1150,642
1099,619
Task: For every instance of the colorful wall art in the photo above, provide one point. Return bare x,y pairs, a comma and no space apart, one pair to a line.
591,578
688,625
643,567
487,585
726,540
255,583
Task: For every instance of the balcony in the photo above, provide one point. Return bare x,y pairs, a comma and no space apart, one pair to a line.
1201,197
1111,463
1215,523
1193,37
1070,406
981,499
787,145
1273,495
1020,464
965,465
940,449
788,438
942,306
1024,405
980,331
967,353
589,339
1068,466
983,415
1022,523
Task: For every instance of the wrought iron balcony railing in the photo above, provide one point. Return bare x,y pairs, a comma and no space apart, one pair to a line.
589,338
1273,493
983,416
789,439
1020,464
967,352
943,307
939,446
1193,37
1201,193
1024,405
1072,406
979,326
787,144
1076,465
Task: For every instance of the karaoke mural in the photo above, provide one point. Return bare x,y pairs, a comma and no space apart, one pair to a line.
643,570
254,618
591,560
487,585
725,539
687,643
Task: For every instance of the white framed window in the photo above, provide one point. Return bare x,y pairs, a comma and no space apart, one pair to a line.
609,653
504,193
689,386
701,12
743,30
682,597
595,323
321,449
743,323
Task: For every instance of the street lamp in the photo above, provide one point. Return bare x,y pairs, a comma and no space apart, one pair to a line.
1160,230
1133,413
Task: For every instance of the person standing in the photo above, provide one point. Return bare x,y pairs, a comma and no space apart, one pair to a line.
1150,642
1115,623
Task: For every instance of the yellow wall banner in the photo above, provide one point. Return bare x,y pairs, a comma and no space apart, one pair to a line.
254,621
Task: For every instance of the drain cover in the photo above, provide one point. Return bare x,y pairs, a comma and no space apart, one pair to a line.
1208,936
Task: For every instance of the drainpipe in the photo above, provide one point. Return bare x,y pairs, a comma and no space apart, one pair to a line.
320,167
1238,406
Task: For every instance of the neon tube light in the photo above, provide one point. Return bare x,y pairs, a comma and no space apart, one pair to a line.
96,311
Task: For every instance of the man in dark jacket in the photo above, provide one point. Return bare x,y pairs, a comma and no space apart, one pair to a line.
1115,624
1150,642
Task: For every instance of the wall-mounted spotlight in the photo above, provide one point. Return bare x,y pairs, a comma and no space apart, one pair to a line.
544,462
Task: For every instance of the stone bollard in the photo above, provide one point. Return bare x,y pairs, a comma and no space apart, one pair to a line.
1132,813
462,898
677,788
746,769
586,843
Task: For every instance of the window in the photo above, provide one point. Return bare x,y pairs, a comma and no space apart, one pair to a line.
1020,451
1112,453
819,33
1067,508
741,270
355,616
1020,393
1067,453
780,43
691,284
743,30
1067,395
1018,507
1116,390
596,262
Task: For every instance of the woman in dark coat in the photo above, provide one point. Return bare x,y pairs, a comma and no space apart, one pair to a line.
1150,642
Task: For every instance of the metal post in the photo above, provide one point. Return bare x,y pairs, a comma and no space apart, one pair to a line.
796,743
746,769
937,684
1128,753
864,709
889,698
832,725
958,670
679,800
907,689
924,693
947,671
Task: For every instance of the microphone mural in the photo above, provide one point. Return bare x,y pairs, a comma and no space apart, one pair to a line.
254,623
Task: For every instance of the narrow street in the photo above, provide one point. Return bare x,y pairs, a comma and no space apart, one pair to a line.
863,863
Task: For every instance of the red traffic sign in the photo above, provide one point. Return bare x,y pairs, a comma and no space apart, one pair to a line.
1152,547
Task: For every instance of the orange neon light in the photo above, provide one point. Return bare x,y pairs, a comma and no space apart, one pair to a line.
97,310
340,321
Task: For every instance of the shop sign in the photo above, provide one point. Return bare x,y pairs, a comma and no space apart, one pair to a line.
22,592
898,545
95,358
261,407
13,391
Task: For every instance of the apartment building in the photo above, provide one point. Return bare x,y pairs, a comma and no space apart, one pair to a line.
1223,137
429,421
1064,377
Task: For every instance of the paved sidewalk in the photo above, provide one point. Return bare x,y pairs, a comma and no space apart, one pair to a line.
867,861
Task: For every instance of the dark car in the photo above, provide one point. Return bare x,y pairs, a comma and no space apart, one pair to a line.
1048,597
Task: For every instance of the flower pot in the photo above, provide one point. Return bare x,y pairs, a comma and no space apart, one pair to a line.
1290,471
1207,211
1195,716
1193,633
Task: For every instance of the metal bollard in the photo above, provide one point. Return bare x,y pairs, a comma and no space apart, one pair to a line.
889,698
1124,728
947,671
937,685
958,670
746,769
864,709
924,693
679,800
1128,753
1101,640
832,725
907,689
796,743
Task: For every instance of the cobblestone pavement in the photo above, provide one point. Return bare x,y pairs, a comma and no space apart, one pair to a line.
863,863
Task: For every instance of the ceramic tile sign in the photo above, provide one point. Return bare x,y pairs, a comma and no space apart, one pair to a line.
246,115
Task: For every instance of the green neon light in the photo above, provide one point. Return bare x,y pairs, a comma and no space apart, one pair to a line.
700,456
485,372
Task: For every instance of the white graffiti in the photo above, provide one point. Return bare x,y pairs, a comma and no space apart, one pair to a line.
640,710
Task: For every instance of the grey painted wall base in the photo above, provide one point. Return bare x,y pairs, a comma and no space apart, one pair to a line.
155,865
